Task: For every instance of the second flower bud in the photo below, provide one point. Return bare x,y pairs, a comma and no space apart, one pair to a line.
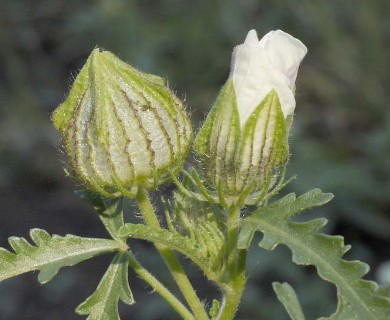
122,128
245,136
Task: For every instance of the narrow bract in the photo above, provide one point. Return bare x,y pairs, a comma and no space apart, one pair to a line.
122,128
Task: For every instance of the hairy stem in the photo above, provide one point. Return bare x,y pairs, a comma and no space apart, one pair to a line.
236,261
160,288
232,237
231,300
170,258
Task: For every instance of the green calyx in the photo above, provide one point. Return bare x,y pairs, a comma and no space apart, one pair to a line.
122,128
242,160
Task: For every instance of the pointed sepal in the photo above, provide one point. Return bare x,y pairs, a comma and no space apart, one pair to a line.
237,159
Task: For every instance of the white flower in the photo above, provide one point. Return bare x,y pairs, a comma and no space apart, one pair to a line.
244,140
259,66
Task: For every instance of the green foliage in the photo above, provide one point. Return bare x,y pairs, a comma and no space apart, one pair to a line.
202,222
340,138
310,247
288,298
113,287
196,252
344,311
49,254
109,210
195,228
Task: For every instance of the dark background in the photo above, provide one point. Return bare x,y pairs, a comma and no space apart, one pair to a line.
340,140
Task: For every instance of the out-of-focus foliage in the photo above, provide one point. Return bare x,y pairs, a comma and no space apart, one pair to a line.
340,139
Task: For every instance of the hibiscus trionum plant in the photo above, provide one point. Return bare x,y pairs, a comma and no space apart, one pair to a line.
125,133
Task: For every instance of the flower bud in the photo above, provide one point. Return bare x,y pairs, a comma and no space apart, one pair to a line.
245,136
122,128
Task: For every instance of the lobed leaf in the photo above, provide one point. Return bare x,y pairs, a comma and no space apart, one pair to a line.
344,311
49,253
310,247
112,288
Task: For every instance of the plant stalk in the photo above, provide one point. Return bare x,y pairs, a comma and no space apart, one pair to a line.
232,238
170,258
236,262
232,298
159,288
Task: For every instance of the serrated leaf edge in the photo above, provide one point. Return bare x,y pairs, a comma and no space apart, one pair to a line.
41,238
349,290
119,268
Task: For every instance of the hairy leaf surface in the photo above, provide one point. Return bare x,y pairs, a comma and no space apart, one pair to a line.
344,311
113,287
288,298
310,247
49,253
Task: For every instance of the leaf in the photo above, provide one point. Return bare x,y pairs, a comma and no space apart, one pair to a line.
310,247
282,210
49,254
109,210
185,245
112,288
344,312
288,298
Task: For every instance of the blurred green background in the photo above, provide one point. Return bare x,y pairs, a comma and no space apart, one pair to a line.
340,140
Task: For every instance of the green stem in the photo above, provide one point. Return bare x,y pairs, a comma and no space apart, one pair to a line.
170,258
232,238
160,288
232,297
236,261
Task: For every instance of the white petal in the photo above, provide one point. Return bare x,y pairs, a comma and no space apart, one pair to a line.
285,53
251,38
260,66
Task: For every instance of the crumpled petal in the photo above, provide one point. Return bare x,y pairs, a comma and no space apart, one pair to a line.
259,66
